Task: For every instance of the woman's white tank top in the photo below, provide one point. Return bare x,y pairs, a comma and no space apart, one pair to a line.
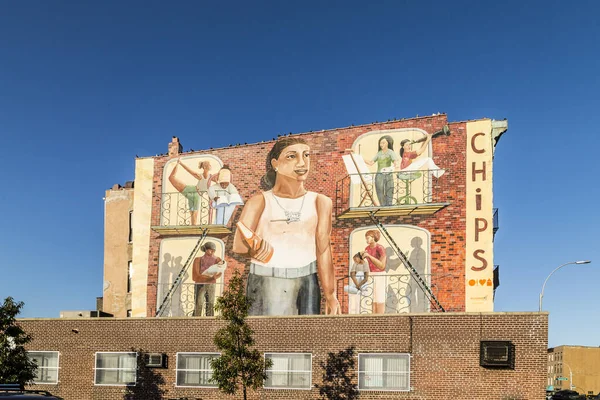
294,243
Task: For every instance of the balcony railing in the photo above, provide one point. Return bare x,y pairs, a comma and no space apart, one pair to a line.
188,213
183,301
391,193
399,293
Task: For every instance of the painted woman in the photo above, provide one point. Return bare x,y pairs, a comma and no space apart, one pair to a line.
376,257
285,230
409,156
387,161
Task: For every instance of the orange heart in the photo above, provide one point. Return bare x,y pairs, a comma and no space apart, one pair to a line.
482,282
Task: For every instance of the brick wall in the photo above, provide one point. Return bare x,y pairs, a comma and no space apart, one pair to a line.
444,349
447,227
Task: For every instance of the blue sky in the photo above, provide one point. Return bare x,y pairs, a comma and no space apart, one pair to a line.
85,86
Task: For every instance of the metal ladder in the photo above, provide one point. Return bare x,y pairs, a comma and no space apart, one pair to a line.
422,284
178,279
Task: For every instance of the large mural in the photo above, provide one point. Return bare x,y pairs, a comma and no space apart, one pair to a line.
284,230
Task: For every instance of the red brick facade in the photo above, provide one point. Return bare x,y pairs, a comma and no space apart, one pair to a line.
447,226
444,349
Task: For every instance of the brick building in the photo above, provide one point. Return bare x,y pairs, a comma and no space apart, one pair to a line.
576,367
415,194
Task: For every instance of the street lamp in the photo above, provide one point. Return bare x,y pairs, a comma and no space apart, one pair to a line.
570,376
556,269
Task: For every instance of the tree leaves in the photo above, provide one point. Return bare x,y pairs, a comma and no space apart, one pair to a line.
338,373
239,365
15,366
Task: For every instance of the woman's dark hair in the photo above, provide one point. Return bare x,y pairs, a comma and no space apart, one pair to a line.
360,257
388,139
268,180
402,143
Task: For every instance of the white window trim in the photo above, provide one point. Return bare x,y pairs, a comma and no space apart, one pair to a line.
290,388
177,369
383,389
117,369
57,368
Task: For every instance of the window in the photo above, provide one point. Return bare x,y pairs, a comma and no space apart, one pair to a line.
130,226
384,371
193,369
129,313
47,366
129,272
116,369
289,371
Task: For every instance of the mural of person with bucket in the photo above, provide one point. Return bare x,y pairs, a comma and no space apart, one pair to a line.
285,230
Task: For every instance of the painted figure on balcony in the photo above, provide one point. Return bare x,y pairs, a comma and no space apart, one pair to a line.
359,274
193,193
387,161
285,230
225,196
409,158
376,257
205,282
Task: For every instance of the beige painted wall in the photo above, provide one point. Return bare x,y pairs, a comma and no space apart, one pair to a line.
585,364
117,251
142,206
479,263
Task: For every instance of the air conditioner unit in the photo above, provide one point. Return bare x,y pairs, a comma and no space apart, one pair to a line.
156,360
494,353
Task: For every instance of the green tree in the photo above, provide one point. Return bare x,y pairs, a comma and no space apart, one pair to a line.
15,366
338,373
239,364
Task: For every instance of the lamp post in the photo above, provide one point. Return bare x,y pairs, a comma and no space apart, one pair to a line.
556,269
570,376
